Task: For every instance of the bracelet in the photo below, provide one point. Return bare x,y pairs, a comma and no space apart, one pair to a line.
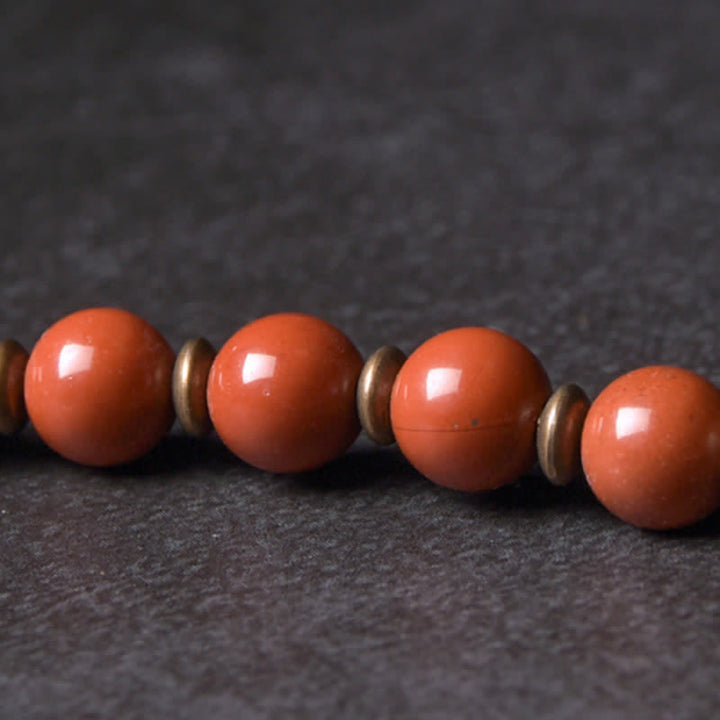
471,409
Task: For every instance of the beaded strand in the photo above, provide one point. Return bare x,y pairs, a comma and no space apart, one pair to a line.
471,409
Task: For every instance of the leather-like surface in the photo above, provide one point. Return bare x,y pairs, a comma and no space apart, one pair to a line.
398,168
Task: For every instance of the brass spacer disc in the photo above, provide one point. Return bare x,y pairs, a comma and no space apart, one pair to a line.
13,361
374,391
559,432
189,384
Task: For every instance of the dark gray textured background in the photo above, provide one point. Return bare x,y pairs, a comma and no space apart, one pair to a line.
398,168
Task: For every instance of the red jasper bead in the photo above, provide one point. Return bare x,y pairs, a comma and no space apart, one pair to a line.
281,393
651,447
465,405
98,387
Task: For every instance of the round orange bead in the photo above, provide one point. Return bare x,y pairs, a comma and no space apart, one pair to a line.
651,447
464,408
281,393
98,387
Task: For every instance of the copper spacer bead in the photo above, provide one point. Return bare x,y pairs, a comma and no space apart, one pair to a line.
559,432
189,383
374,391
13,361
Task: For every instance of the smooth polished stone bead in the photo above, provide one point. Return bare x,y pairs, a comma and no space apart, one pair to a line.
13,361
98,387
190,376
558,434
281,393
374,391
651,447
464,408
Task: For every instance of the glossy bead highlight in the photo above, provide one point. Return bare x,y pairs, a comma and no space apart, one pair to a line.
465,405
98,387
281,393
651,447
